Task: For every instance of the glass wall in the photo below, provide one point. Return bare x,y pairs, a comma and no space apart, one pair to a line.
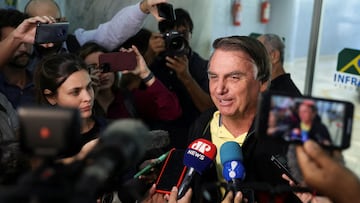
336,72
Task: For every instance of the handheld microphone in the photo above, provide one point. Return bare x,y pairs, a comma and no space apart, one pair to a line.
120,146
233,169
198,157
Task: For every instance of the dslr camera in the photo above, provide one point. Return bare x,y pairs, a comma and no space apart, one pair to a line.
175,43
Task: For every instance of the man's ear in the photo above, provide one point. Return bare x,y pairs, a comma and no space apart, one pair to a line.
50,97
275,56
264,86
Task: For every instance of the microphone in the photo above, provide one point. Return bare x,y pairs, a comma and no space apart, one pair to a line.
233,169
198,157
120,146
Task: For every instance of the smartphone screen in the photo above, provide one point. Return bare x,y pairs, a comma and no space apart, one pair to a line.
118,61
297,119
172,172
51,33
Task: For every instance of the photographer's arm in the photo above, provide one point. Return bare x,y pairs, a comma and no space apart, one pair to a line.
200,98
126,23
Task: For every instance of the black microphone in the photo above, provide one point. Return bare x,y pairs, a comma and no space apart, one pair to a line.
198,157
120,146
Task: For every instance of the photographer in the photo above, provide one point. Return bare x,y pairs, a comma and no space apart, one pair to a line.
182,71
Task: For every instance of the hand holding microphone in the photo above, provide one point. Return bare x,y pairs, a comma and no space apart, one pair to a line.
197,158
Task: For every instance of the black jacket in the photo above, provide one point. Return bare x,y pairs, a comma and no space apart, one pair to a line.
261,173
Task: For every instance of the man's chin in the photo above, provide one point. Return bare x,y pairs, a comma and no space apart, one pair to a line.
20,64
47,51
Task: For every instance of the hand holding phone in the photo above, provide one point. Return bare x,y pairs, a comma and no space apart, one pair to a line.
282,167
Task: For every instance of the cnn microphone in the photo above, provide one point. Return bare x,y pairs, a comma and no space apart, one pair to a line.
233,169
198,157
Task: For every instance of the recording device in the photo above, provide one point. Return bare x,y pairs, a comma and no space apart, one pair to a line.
49,132
120,147
175,43
166,11
197,158
118,61
172,172
233,169
297,119
51,32
281,164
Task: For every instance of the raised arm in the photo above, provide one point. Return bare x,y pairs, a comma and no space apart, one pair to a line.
24,33
126,23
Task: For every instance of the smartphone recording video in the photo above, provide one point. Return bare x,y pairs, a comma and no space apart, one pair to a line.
297,119
51,33
172,172
118,61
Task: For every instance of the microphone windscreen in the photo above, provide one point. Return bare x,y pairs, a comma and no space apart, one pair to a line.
125,138
230,151
159,139
200,154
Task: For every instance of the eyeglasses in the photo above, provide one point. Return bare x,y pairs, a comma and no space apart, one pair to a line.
105,67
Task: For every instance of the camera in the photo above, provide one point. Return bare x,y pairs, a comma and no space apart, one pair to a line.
175,43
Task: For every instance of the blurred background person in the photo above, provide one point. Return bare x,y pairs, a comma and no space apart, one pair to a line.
280,80
16,82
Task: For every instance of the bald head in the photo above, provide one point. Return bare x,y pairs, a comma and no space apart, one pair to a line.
42,8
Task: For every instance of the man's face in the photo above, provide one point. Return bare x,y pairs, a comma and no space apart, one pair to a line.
185,31
21,57
306,113
233,87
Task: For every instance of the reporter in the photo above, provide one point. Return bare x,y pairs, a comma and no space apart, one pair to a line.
327,176
64,80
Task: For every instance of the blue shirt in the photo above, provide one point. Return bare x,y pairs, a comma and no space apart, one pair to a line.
15,94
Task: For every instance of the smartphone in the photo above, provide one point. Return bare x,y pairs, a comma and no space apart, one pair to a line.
51,33
118,61
172,172
281,164
166,11
297,119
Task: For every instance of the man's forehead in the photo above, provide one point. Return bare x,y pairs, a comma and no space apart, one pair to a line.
43,9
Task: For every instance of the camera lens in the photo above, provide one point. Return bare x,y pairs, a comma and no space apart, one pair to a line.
177,43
